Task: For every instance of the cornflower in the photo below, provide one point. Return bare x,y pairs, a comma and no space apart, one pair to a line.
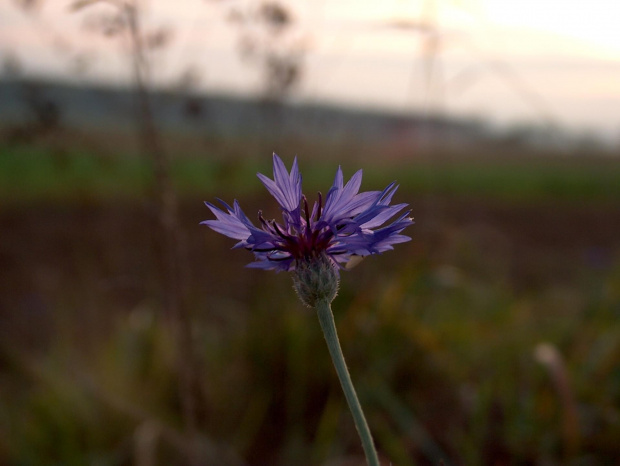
348,224
314,244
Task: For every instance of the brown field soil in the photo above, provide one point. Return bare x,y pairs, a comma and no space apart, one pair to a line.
98,257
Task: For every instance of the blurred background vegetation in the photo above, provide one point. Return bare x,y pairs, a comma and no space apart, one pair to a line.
131,335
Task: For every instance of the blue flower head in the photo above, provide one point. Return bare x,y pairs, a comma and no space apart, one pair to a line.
344,225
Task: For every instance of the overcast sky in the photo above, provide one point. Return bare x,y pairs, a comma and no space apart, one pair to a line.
527,61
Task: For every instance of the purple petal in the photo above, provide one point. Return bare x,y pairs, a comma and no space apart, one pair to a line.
229,224
383,214
341,200
285,187
338,179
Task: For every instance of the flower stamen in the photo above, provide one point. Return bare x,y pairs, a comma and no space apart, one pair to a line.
320,205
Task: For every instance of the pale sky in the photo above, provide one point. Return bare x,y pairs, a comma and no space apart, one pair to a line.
508,61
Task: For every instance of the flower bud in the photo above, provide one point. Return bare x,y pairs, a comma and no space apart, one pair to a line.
316,279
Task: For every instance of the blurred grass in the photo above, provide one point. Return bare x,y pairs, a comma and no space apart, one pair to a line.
441,335
31,173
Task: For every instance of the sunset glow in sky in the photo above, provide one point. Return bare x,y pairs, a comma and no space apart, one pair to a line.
507,61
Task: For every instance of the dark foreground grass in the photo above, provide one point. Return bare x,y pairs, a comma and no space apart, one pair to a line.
489,339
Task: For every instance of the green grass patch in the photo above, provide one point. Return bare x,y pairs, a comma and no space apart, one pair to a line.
30,173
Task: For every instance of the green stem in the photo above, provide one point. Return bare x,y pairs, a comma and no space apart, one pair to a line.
326,318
